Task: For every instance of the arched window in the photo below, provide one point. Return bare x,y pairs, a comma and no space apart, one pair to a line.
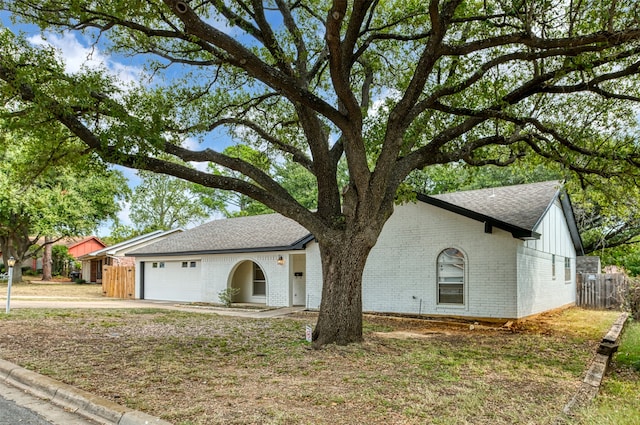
451,277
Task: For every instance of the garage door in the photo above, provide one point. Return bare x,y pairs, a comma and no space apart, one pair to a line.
173,280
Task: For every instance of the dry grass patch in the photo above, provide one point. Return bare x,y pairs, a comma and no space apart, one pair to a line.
35,289
202,369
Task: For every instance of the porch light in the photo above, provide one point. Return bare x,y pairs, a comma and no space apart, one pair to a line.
10,262
280,261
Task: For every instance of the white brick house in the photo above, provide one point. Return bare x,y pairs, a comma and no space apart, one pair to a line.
494,253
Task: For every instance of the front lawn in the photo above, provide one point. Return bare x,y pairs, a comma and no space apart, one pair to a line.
203,369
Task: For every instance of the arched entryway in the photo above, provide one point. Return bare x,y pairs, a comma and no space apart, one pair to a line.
251,281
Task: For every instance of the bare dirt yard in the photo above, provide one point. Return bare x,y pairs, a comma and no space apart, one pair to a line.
191,368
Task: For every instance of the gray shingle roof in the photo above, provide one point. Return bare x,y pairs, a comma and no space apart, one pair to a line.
516,209
520,205
242,234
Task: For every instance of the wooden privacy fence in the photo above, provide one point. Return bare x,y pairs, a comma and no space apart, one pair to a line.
602,291
118,281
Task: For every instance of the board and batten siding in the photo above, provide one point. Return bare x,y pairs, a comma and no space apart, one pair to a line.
401,271
538,289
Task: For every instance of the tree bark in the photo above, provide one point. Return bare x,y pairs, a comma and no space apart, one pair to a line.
47,259
8,250
17,273
340,317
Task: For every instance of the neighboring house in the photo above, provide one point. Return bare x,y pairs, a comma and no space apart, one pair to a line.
84,246
77,246
505,253
114,255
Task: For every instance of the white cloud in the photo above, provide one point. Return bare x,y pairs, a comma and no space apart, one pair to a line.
77,56
380,102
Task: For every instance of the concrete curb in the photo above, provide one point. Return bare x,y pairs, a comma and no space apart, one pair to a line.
590,385
72,399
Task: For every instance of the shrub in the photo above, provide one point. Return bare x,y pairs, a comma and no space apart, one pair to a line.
80,281
226,296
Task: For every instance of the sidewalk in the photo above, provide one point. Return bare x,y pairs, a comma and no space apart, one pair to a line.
112,303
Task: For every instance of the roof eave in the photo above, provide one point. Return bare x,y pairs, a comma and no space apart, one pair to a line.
567,209
299,245
128,244
516,231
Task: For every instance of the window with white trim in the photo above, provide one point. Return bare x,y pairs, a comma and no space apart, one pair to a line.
259,281
451,276
567,269
553,266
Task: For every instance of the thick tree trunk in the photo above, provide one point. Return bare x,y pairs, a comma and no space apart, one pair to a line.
47,259
340,317
9,251
17,273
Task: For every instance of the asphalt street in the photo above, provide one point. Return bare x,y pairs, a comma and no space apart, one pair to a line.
11,413
18,407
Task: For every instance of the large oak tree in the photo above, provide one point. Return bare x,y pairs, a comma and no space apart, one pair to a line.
385,86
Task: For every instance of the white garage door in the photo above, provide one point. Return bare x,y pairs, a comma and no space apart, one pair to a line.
173,280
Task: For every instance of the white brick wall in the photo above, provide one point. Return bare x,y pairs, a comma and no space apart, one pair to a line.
214,273
504,277
400,275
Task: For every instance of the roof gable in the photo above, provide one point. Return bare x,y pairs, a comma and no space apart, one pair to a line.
518,209
73,244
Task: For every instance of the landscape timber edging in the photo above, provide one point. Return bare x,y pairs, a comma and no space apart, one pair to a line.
590,385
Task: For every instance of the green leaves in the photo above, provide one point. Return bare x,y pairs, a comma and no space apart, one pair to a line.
162,202
51,187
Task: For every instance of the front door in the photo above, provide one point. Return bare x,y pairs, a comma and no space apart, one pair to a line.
299,286
96,271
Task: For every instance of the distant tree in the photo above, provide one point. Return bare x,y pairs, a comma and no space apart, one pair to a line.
60,260
460,176
44,198
162,202
296,179
235,204
626,257
120,232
